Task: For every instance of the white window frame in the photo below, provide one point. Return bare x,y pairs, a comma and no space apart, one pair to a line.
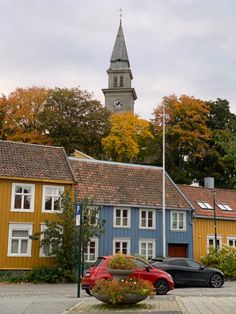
90,209
60,188
43,227
212,237
89,259
204,205
115,225
178,225
13,194
224,206
231,239
147,242
146,218
121,240
20,226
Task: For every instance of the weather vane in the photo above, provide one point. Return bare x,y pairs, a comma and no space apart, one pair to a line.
120,10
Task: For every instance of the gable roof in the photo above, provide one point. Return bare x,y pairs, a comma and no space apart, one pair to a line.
202,194
21,160
111,183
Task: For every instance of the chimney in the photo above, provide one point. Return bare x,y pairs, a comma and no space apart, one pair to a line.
209,183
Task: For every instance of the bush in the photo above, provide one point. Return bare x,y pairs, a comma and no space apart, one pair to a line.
223,259
13,276
44,274
121,261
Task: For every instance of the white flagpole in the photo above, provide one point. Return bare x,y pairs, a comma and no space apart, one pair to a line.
163,184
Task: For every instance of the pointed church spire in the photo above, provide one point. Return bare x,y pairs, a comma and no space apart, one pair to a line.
119,53
119,96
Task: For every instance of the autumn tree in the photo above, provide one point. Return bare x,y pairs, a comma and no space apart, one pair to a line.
127,134
74,120
187,134
60,238
2,116
21,109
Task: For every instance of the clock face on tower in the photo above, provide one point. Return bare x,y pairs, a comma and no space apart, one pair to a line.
117,104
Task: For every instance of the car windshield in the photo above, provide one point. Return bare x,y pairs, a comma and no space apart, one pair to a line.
140,264
99,261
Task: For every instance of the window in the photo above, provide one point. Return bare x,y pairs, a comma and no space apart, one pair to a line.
147,219
231,241
147,248
211,241
52,198
121,246
204,205
22,197
178,221
19,243
45,249
115,81
121,217
224,207
92,215
121,81
91,251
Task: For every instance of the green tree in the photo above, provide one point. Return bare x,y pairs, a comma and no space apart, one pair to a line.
218,161
62,236
127,135
75,121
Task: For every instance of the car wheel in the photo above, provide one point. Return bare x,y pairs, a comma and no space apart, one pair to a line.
216,281
89,292
162,287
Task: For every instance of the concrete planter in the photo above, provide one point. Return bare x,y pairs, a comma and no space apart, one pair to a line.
128,299
118,274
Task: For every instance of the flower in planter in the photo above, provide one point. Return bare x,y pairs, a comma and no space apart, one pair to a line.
117,292
121,261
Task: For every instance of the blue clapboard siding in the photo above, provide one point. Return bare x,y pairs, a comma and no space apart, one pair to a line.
134,233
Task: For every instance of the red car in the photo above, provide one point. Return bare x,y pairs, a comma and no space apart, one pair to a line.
161,280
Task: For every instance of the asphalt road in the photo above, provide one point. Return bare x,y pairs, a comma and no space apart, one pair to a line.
58,298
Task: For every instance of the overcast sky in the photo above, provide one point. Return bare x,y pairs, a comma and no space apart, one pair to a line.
174,46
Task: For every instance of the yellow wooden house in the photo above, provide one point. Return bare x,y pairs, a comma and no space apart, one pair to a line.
32,178
215,217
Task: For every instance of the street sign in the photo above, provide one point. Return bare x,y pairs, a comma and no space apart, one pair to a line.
77,214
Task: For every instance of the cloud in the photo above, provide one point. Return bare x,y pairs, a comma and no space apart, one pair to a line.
174,46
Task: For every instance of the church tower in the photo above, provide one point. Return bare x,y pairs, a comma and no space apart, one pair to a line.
119,96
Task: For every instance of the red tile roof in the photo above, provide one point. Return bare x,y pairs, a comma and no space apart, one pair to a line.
113,183
21,160
198,194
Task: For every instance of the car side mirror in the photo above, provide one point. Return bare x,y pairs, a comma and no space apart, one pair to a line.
147,268
202,267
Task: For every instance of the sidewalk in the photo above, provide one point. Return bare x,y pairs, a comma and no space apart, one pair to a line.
160,304
167,304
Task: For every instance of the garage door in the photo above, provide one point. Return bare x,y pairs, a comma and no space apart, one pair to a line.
177,250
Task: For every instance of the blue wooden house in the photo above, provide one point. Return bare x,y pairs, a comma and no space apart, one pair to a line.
130,200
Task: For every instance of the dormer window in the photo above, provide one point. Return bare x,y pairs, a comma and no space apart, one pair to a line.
224,207
204,205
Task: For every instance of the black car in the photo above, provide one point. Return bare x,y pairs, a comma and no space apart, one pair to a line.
188,272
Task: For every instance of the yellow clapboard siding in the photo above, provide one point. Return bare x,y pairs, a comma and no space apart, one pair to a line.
36,218
204,227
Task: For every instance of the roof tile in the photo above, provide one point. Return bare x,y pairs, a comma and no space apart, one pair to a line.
196,194
125,184
23,160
